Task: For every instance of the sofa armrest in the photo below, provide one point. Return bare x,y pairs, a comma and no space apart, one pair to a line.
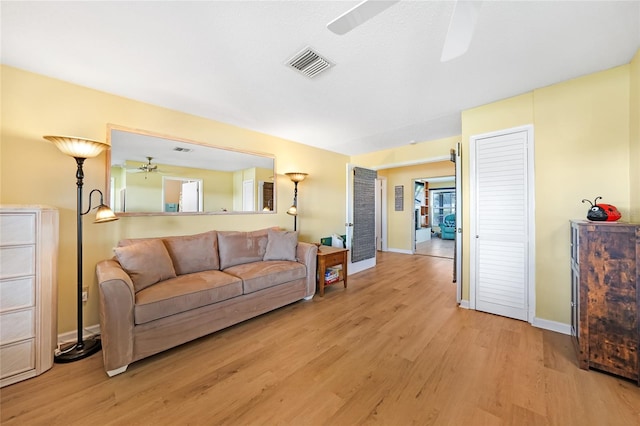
117,301
307,254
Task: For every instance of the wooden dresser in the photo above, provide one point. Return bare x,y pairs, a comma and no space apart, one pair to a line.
605,296
28,291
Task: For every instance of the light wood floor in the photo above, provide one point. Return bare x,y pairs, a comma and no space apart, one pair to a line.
392,349
436,247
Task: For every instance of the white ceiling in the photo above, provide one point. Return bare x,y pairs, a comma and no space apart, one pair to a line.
225,60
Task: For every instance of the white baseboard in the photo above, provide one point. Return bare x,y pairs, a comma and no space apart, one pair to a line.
395,250
72,336
558,327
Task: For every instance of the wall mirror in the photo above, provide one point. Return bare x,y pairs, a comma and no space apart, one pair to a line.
152,174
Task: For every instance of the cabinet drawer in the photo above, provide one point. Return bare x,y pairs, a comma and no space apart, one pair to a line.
18,229
16,293
17,358
16,326
17,261
333,258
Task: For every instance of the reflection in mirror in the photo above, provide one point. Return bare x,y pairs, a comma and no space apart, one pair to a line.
155,174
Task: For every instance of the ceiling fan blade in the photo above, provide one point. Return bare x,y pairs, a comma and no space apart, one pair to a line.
358,14
461,27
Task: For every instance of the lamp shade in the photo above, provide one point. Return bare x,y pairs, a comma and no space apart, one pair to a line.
105,214
293,211
296,176
77,147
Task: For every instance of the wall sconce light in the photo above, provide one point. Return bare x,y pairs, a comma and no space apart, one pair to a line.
296,177
81,149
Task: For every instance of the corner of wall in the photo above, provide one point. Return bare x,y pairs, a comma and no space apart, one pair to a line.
634,138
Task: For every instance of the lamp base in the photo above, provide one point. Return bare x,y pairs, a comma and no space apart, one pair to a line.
87,348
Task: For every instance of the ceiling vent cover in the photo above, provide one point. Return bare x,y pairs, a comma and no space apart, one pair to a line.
309,62
182,149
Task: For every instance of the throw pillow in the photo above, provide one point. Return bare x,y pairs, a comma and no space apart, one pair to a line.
237,248
193,253
146,262
281,245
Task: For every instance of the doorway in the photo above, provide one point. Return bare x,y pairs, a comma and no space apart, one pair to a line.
434,200
181,194
265,195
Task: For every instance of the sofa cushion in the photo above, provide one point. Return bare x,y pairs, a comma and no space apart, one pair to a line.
193,253
260,275
146,262
184,293
236,248
281,245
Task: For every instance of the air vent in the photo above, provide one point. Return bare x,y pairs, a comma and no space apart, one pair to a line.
309,62
181,149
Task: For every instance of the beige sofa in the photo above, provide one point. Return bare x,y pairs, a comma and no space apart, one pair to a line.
157,293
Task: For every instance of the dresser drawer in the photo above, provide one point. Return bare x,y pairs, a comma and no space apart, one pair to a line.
18,261
16,326
17,358
17,229
17,293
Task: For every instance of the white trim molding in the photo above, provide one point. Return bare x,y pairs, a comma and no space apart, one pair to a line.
397,250
558,327
411,162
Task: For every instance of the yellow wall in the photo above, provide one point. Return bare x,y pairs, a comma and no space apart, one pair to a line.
399,223
33,171
444,184
581,132
587,143
634,138
408,154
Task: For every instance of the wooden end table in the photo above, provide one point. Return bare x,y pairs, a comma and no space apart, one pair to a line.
331,256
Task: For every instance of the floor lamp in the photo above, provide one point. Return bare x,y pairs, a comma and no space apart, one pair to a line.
295,177
81,149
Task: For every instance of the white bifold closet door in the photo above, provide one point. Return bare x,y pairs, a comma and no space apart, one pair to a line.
501,227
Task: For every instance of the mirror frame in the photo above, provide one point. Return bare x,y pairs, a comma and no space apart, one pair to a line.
112,127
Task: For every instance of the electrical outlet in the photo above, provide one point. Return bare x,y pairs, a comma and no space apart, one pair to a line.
85,294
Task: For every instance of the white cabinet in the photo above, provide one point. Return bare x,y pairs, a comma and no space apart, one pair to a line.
28,291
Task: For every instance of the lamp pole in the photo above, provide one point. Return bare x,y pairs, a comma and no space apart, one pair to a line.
295,204
96,344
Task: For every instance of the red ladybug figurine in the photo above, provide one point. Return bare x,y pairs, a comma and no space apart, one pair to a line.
602,212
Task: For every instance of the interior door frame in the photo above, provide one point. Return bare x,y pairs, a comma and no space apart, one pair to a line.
381,213
531,282
458,256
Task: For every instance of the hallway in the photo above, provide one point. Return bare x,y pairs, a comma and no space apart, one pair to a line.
436,247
